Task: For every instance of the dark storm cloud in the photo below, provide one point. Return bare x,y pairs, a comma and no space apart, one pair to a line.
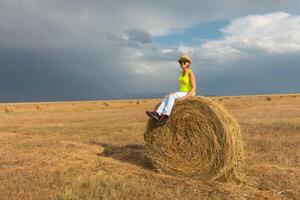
75,23
133,38
60,75
139,35
59,50
252,75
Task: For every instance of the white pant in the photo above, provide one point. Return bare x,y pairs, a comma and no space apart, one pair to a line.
168,102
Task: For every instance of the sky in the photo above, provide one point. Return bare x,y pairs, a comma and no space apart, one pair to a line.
102,49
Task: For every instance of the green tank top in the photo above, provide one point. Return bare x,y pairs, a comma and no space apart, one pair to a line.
185,83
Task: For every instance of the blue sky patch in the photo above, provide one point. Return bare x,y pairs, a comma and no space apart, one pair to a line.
193,35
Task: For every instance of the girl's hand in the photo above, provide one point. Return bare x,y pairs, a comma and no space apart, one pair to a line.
182,98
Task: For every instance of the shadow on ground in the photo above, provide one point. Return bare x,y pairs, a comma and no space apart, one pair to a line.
131,153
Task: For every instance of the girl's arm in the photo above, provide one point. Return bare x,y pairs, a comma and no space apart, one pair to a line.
193,83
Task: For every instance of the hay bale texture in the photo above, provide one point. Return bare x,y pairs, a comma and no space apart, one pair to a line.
201,140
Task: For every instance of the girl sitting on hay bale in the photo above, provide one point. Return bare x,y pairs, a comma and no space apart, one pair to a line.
187,88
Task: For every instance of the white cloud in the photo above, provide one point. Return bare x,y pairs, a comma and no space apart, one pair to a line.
273,33
167,50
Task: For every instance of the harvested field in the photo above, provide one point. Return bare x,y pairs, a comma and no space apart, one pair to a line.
88,150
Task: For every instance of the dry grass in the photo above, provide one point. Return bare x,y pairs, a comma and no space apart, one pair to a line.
65,152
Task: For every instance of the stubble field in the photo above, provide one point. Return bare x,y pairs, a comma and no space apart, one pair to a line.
95,150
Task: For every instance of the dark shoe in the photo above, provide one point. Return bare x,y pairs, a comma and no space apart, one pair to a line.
163,119
153,115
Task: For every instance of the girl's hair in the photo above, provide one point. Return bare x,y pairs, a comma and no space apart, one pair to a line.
189,65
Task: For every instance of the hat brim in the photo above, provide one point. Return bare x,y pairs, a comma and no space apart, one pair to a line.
184,60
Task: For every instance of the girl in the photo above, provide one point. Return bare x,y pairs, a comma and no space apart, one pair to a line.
187,88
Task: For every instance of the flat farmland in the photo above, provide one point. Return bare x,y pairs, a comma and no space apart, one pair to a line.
95,150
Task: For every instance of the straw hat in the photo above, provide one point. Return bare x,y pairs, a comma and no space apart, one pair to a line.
185,58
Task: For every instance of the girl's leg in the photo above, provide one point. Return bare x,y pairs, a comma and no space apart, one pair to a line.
169,104
161,107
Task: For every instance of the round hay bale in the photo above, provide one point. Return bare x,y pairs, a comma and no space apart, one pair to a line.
201,140
9,109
